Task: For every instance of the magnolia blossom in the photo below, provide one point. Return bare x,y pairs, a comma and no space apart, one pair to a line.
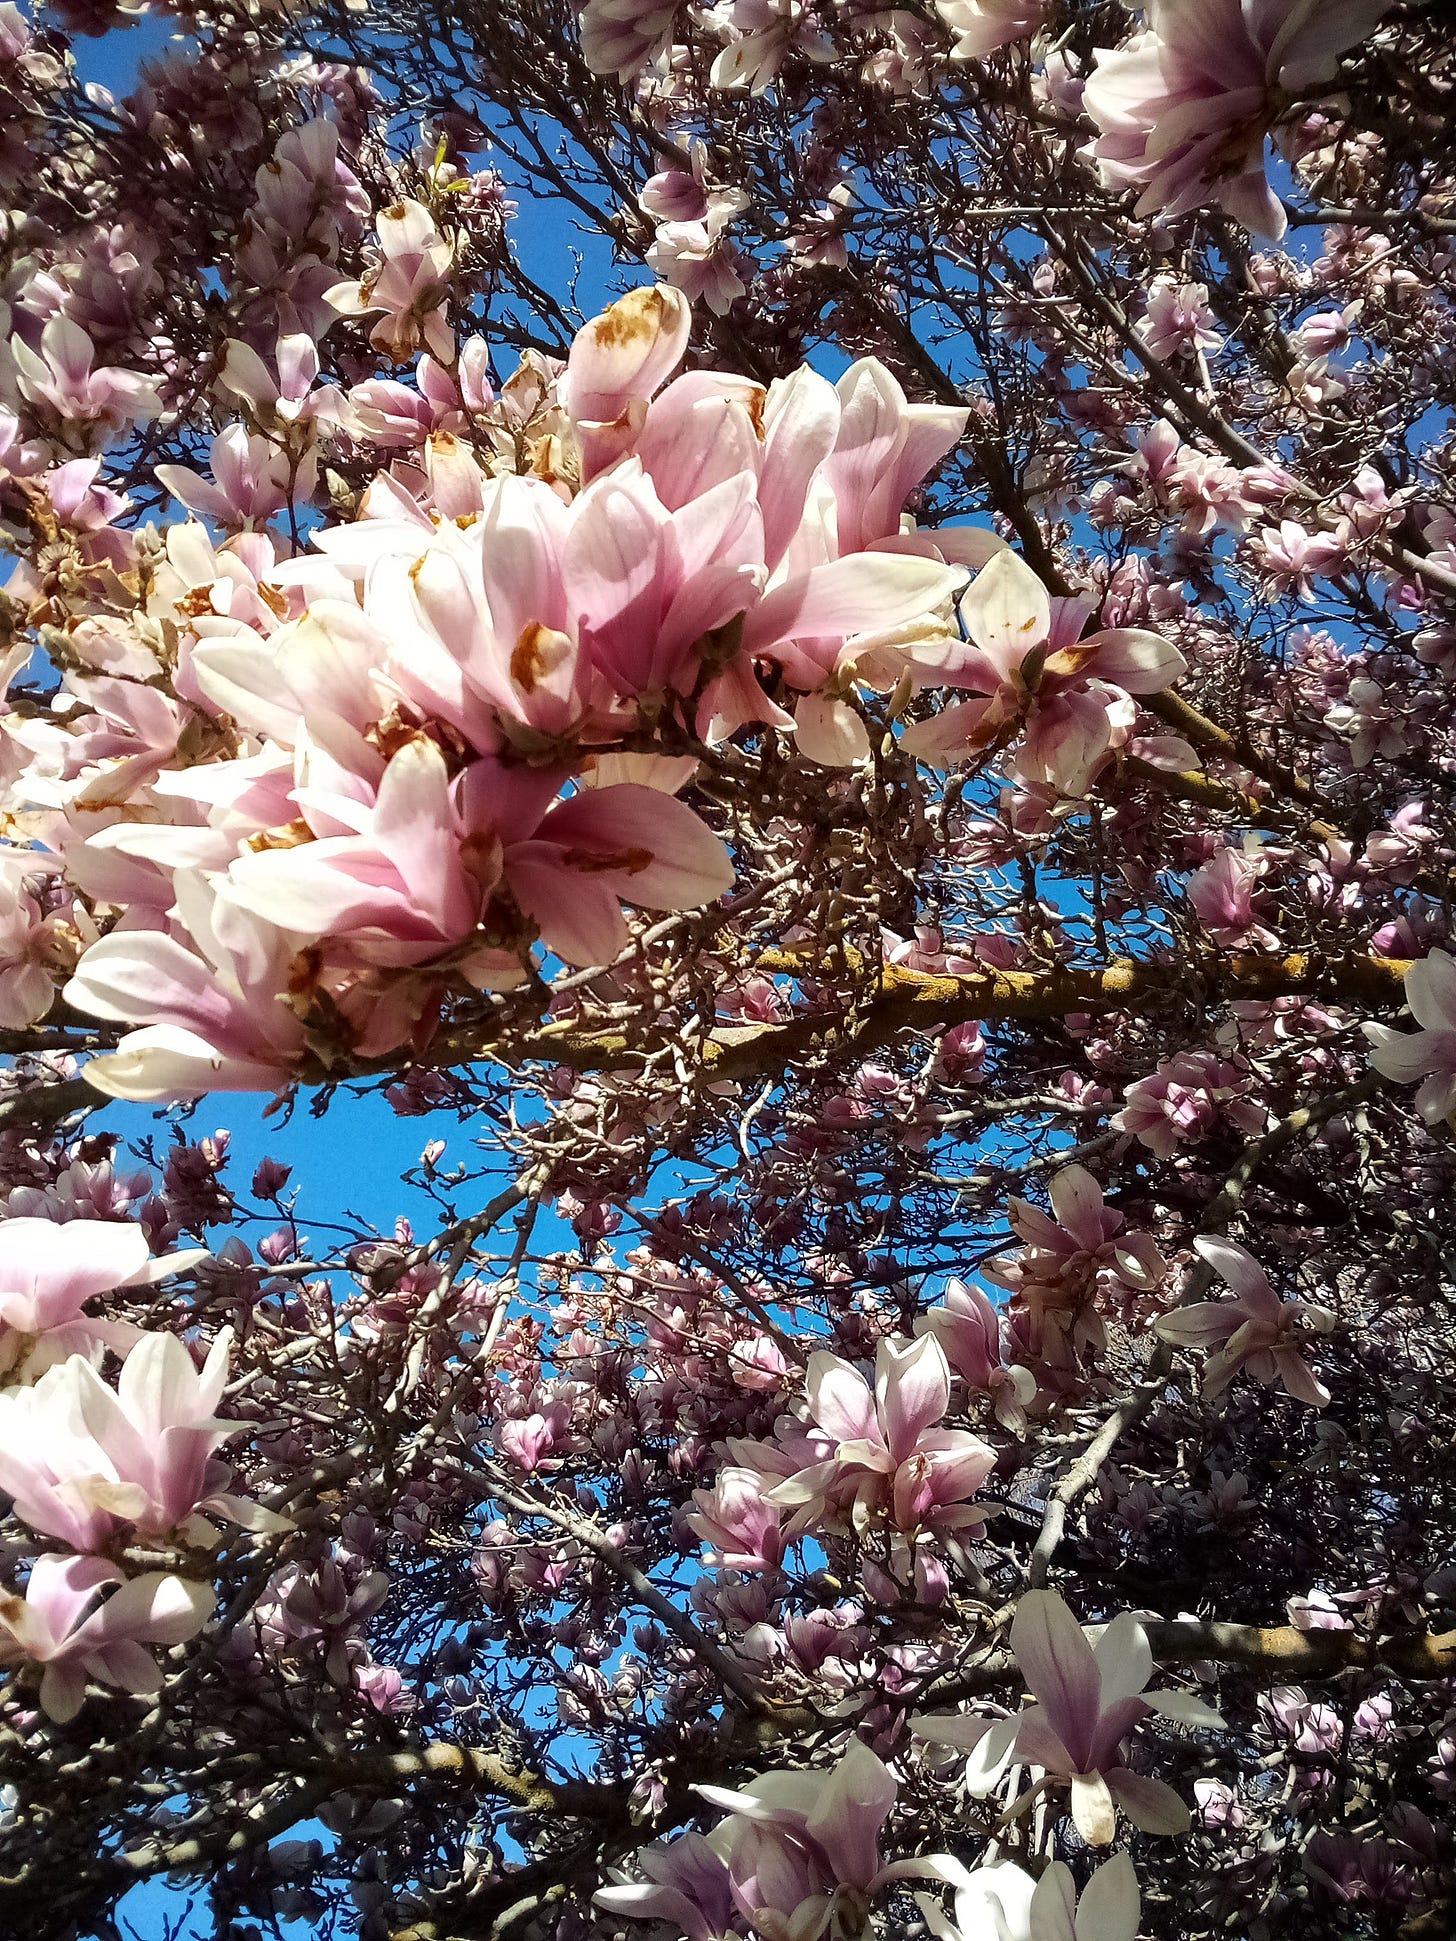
1002,1902
891,1462
409,286
1186,1097
1222,894
622,37
1256,1332
80,1459
759,35
47,1275
1178,319
1429,1054
1071,1257
1090,1697
981,26
1067,698
59,1626
968,1329
1184,105
802,1850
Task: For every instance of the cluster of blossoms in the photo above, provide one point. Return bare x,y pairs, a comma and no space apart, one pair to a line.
94,1468
419,730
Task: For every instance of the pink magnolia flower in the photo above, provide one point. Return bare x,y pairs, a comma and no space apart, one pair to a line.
409,286
252,478
1187,1096
685,1882
208,1001
968,1329
624,357
1069,698
1255,1332
81,1459
1184,105
1429,1054
981,26
742,1530
700,260
622,37
1001,1902
1222,896
94,406
48,1272
1071,1257
1178,319
27,945
58,1625
760,34
892,1463
803,1848
1293,557
1090,1698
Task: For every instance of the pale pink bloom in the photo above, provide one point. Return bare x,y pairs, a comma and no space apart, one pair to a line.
48,1273
59,1626
1186,1097
981,26
19,457
968,1329
1090,1698
252,479
27,946
1367,722
741,1529
821,238
1069,697
685,1883
892,1462
628,352
1072,1257
1428,1055
410,285
81,1460
1255,1333
429,852
95,407
1222,896
698,259
289,396
622,37
803,1848
209,1001
760,33
1185,104
674,194
1293,557
1178,319
1001,1902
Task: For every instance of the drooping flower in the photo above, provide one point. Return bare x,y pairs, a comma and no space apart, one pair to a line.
1184,105
48,1273
59,1626
1255,1333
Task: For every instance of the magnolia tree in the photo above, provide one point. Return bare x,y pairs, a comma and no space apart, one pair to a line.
823,635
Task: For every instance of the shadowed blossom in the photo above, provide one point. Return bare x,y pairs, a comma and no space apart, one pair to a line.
1255,1333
